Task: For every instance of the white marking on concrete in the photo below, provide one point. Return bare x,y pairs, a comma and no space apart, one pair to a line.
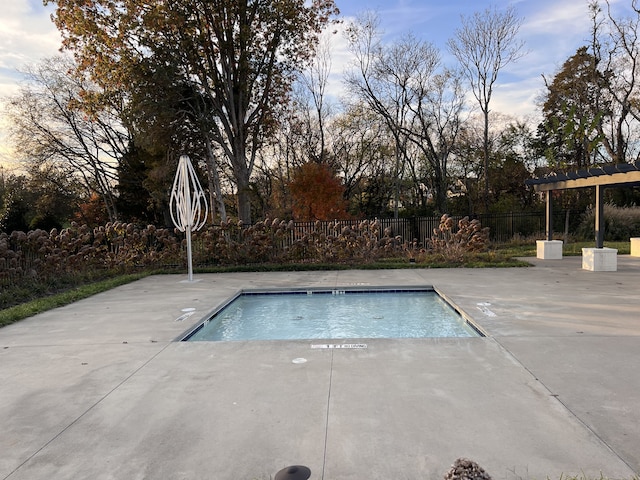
184,316
482,306
340,345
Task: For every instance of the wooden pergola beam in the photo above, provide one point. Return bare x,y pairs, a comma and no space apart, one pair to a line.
612,180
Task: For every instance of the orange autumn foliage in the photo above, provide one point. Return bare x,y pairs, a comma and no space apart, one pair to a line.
317,194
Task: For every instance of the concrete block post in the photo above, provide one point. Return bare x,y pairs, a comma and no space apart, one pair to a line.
549,249
600,259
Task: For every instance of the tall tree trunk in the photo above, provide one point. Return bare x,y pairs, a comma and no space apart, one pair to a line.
396,184
441,190
242,175
244,200
215,191
485,153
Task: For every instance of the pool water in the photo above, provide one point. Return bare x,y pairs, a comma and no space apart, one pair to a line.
333,315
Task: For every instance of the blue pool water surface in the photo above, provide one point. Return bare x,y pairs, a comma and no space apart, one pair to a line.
334,315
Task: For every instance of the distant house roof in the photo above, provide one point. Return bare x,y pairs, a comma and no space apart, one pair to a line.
625,174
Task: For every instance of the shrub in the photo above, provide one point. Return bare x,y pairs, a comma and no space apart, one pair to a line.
278,241
620,223
454,244
40,262
44,262
232,244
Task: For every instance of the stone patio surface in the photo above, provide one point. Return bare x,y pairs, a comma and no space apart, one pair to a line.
100,389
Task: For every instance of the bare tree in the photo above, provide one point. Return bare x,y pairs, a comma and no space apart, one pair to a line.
368,81
362,149
616,48
315,80
49,128
484,44
420,101
240,54
437,118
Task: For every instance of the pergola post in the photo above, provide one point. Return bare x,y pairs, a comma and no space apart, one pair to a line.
549,216
599,229
600,259
549,249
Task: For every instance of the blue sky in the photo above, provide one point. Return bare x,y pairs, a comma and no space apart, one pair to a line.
552,30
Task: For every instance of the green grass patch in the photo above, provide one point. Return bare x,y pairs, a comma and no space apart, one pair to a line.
624,248
491,259
18,312
518,249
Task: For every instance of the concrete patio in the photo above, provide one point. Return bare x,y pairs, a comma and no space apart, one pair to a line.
100,390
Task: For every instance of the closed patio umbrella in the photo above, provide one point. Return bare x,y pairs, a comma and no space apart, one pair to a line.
188,204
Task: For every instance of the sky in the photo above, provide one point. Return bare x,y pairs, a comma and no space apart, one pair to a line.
552,31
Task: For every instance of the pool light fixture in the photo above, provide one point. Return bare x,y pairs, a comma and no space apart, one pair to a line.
294,472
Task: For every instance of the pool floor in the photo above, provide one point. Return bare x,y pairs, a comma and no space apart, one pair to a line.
333,314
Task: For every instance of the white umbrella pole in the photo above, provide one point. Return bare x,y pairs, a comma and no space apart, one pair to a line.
186,215
189,258
189,214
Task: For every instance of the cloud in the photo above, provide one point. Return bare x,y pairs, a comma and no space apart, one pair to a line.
555,32
26,35
552,32
341,59
556,18
519,84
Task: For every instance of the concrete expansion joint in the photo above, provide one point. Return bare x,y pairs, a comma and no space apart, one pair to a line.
83,414
565,406
326,426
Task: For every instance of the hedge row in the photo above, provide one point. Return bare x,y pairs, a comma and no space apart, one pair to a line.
42,260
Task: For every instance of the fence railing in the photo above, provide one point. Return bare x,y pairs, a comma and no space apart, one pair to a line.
502,226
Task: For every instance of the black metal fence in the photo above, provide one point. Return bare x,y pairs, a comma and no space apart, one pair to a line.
506,226
502,226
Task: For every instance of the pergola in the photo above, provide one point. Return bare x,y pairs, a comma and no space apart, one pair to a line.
623,175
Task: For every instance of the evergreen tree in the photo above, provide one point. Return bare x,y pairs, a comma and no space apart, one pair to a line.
574,109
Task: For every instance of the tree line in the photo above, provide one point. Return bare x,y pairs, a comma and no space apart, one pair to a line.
241,86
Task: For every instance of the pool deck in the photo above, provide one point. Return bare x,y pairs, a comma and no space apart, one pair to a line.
100,390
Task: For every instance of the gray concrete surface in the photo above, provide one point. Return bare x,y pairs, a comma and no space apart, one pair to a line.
100,390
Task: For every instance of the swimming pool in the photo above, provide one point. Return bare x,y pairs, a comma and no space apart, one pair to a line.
341,313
